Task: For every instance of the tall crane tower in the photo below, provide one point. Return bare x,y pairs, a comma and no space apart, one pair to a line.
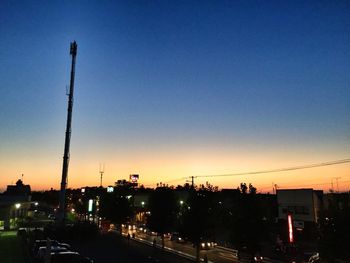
102,170
62,205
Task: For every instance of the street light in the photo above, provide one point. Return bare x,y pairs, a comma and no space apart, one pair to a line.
18,205
181,202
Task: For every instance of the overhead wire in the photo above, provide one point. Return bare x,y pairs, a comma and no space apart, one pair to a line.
293,168
280,169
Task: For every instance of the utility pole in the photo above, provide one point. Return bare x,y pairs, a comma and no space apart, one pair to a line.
336,180
332,188
192,181
62,205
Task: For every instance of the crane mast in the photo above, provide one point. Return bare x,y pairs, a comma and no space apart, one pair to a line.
62,204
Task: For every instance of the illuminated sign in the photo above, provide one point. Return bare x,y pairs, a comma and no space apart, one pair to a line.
290,229
134,178
90,205
110,189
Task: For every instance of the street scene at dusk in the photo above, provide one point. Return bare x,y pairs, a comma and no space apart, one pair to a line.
175,131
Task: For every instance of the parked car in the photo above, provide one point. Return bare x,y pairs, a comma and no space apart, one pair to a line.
69,257
55,243
43,243
43,250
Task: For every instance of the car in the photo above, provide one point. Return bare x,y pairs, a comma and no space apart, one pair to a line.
55,243
69,257
258,258
152,233
51,216
314,258
207,244
176,237
167,235
43,243
43,250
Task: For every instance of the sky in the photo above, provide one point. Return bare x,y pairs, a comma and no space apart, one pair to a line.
172,89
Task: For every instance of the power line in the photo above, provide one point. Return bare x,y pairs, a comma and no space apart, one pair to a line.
281,169
329,163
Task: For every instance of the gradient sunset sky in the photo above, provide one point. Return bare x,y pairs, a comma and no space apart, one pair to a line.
171,89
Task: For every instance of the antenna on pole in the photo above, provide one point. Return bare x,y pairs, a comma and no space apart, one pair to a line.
62,205
102,170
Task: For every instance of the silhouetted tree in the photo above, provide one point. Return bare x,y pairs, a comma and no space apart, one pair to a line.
243,188
252,189
163,208
198,218
48,197
335,229
246,222
115,207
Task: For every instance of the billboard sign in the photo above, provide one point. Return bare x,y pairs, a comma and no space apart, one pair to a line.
134,178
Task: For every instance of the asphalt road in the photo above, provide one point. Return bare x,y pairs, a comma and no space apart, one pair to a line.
114,248
214,255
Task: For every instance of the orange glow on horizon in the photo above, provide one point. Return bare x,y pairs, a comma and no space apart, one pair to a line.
167,164
168,168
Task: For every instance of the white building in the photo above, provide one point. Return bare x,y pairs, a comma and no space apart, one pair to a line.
303,204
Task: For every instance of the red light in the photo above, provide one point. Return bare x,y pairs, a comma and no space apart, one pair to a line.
290,228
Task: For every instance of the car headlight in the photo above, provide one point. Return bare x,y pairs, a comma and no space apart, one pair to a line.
203,244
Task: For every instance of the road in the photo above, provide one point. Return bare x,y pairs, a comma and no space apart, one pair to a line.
215,255
114,248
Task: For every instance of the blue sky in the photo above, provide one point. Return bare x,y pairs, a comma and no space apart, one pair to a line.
173,84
